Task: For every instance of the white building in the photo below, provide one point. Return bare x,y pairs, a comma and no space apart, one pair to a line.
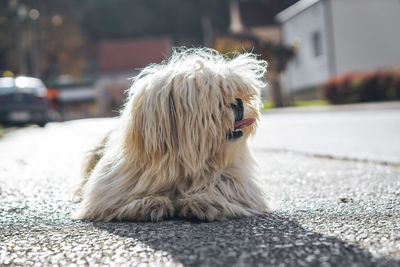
338,36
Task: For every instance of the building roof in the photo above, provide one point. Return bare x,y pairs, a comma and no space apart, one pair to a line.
130,54
256,14
261,13
295,9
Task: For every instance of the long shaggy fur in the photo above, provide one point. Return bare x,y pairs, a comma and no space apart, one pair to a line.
169,154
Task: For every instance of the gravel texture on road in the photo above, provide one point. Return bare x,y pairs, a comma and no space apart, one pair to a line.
327,212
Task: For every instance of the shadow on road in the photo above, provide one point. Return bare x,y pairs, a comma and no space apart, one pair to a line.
268,239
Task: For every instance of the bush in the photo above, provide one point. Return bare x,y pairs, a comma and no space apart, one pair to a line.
356,87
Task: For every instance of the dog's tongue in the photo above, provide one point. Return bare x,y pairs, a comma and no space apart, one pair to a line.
244,123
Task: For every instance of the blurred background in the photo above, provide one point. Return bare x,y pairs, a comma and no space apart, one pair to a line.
83,52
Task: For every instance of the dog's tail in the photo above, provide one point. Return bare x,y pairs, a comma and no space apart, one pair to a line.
89,162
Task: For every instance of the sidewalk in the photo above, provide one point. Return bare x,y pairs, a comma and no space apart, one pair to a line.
360,132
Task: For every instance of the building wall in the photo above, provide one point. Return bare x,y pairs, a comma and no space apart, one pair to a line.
366,34
306,69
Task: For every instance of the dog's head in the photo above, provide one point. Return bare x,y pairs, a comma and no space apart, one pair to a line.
195,110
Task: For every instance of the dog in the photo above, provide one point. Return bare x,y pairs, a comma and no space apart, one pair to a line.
180,145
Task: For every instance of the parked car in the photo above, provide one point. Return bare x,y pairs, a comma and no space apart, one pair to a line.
23,100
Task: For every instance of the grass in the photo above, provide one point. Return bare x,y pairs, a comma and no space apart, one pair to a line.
266,105
309,103
1,130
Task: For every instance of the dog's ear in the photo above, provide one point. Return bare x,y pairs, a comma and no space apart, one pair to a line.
172,115
150,123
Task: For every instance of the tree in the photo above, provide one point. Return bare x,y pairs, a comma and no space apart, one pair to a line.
135,18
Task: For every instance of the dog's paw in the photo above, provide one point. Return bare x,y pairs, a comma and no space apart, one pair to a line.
151,208
160,208
197,208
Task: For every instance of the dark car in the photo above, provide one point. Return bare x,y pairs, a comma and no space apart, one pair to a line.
23,100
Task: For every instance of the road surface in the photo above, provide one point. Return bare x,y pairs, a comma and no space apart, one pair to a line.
329,211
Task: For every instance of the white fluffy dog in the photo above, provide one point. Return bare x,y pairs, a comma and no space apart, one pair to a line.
180,145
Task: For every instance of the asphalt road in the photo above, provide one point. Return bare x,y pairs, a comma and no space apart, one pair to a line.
328,212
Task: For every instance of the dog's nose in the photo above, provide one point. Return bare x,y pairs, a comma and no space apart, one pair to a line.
238,109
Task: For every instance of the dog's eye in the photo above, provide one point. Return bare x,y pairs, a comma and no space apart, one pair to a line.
238,104
238,109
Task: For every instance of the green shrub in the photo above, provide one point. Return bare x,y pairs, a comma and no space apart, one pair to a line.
310,103
267,105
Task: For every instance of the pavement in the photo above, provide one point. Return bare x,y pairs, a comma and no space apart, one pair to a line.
366,135
335,187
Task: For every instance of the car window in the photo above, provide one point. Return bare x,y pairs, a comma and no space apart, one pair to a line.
21,90
22,85
30,86
4,90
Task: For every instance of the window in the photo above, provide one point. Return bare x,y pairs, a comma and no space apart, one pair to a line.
316,44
